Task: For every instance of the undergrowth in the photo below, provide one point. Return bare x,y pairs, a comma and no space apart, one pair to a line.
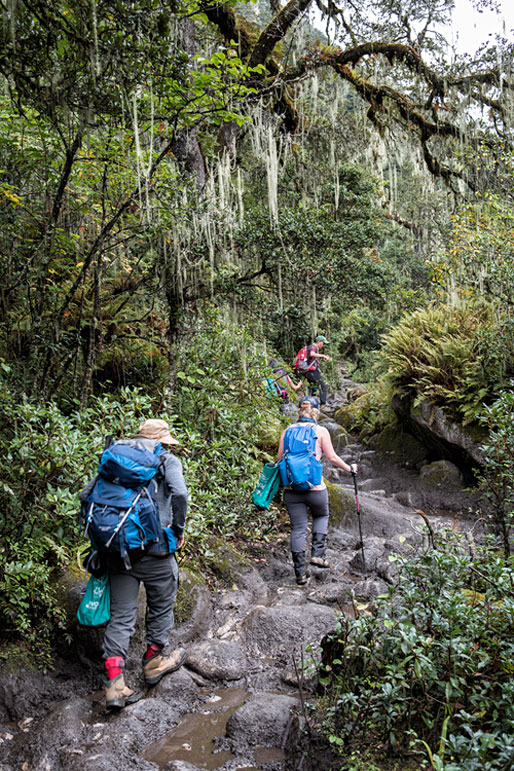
428,675
456,356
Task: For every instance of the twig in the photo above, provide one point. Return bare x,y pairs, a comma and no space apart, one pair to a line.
299,677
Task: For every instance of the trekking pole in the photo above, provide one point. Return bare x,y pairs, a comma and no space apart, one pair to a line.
354,475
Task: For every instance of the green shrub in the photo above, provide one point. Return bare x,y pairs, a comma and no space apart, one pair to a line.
429,672
457,356
497,476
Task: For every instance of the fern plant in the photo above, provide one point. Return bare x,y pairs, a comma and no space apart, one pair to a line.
457,356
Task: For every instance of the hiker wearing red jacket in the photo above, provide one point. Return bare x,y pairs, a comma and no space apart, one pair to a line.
310,366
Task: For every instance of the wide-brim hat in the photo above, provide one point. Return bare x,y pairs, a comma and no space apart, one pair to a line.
154,428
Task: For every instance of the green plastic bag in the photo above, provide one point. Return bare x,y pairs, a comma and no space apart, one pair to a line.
267,486
95,606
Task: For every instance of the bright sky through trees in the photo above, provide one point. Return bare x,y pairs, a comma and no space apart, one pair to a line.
471,28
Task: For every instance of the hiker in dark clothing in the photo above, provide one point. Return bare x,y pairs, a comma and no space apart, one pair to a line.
315,500
313,375
159,575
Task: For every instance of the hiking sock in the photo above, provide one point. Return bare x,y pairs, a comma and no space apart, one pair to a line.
114,666
152,650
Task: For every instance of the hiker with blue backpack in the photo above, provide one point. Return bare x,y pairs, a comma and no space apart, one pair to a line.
135,517
301,447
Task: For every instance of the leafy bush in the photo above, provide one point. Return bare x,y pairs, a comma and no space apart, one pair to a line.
221,409
457,356
497,477
429,672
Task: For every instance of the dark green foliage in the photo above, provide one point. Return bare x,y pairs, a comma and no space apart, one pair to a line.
75,56
497,480
429,672
450,354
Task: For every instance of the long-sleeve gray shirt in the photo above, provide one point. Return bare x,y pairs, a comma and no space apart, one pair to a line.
171,493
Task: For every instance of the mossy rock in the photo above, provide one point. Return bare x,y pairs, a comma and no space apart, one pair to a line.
341,503
352,416
189,586
441,474
224,561
406,448
339,436
476,432
269,435
355,393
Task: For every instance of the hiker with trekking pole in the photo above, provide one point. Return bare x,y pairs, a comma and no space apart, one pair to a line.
300,450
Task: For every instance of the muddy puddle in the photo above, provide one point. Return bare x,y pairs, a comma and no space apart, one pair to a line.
193,740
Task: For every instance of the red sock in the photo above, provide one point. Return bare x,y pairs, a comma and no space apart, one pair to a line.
114,666
152,649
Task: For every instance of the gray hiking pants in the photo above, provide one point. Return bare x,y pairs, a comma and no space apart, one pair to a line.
298,504
159,576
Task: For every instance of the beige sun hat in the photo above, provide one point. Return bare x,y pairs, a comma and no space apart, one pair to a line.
154,428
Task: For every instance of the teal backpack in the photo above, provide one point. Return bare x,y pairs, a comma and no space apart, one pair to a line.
273,389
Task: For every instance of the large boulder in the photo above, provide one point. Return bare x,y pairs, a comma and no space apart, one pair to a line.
218,660
407,450
443,437
262,720
380,516
282,630
56,738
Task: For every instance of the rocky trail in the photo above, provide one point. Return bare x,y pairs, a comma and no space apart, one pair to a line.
250,647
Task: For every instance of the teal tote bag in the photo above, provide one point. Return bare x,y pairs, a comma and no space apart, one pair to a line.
95,606
267,486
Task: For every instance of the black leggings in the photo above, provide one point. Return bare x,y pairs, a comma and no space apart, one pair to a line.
314,376
297,504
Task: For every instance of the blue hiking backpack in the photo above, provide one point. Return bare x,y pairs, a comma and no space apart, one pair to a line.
119,506
299,468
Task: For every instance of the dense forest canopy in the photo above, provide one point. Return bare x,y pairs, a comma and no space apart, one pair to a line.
139,141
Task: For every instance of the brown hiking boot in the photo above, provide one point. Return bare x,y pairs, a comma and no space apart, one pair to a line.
118,695
158,665
320,562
